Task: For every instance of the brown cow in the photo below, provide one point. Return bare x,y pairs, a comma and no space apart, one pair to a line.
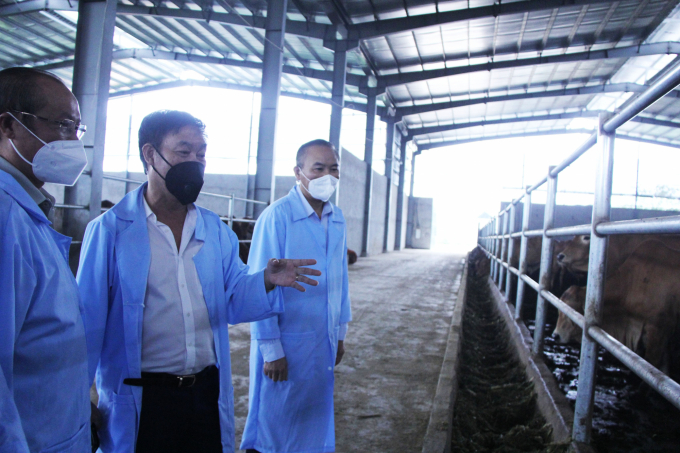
575,256
641,306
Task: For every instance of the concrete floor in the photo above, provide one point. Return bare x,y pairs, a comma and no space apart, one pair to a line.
402,304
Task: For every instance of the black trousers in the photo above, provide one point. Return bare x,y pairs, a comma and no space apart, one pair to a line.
181,420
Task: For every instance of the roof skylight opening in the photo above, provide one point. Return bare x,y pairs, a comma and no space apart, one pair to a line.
583,123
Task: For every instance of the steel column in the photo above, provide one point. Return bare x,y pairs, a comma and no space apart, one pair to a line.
545,276
503,270
494,250
371,110
392,131
583,412
511,249
91,81
526,216
271,88
338,96
398,230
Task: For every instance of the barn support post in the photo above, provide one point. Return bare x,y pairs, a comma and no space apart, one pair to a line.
400,195
511,249
496,246
503,269
583,412
271,88
521,286
371,110
91,81
392,132
338,104
545,276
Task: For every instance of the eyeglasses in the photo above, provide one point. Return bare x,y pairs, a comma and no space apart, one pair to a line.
66,127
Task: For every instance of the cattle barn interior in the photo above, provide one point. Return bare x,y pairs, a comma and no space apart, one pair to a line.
430,74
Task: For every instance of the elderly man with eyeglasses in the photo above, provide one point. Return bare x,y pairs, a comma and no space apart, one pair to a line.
44,398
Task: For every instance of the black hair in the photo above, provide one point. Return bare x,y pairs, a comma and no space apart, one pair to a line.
19,89
158,125
302,151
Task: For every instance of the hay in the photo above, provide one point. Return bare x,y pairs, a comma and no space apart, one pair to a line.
496,405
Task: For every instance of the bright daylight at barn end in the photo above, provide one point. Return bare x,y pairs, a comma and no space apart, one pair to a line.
473,207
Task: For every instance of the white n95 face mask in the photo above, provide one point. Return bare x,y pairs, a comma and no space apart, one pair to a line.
58,162
321,188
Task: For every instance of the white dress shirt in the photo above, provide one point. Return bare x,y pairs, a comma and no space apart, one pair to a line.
271,349
176,334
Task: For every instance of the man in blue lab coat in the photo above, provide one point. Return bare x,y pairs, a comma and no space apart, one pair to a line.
160,279
44,400
292,355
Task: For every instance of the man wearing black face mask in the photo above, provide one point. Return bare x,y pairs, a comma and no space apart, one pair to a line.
160,279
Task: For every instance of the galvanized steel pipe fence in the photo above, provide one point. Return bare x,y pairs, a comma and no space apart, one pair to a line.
495,239
229,218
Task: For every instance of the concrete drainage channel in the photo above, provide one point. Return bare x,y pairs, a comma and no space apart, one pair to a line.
531,414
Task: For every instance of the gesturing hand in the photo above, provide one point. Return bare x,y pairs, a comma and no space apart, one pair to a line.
289,273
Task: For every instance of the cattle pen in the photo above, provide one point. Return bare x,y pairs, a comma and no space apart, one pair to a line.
495,238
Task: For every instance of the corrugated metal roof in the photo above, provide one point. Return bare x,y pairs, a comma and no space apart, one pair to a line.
445,58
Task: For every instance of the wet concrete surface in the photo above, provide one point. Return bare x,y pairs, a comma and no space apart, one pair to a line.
402,304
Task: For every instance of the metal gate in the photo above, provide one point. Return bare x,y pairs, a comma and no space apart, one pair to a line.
496,240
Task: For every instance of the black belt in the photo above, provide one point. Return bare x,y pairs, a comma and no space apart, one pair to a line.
168,380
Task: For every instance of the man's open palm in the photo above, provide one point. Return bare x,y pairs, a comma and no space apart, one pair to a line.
285,272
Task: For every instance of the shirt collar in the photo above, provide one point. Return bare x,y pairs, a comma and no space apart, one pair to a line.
38,195
309,210
191,210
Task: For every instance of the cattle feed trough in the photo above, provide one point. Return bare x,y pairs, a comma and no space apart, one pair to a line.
495,241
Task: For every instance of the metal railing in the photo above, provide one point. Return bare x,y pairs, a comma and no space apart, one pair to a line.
495,239
229,218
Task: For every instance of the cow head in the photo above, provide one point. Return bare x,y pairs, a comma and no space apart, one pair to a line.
574,256
565,330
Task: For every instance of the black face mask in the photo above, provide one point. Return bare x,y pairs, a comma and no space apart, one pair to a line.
183,180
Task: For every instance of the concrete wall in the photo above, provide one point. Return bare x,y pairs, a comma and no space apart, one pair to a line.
352,197
419,230
579,215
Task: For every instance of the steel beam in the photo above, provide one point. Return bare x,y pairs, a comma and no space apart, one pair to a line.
153,54
91,80
368,159
417,131
294,27
597,89
384,27
425,146
228,86
583,412
271,88
399,223
661,48
34,6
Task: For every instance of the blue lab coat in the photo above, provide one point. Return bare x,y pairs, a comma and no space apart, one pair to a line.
44,398
297,415
114,265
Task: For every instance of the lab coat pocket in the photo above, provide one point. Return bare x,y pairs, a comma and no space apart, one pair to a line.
120,425
299,349
78,442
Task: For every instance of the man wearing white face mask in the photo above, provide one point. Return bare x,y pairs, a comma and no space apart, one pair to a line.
44,398
292,355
